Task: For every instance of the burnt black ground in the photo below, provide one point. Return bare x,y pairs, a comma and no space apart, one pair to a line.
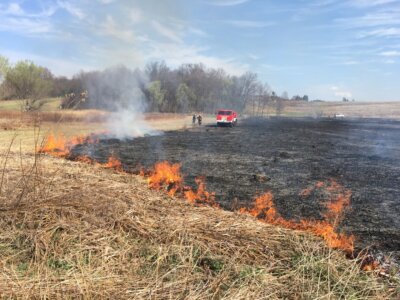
285,156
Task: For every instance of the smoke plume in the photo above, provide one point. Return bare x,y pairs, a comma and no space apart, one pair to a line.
118,89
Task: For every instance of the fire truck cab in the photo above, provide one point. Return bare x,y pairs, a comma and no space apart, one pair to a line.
226,117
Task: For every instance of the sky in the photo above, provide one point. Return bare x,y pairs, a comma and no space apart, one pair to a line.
326,49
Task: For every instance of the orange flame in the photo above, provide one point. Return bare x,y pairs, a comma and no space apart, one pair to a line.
56,145
166,175
60,146
265,210
368,267
201,196
319,184
114,163
307,192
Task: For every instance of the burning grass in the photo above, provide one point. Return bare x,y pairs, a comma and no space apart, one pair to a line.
72,230
168,177
338,200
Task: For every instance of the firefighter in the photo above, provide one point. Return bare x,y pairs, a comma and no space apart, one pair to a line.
199,119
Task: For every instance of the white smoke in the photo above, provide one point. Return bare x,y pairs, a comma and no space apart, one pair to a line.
118,89
128,123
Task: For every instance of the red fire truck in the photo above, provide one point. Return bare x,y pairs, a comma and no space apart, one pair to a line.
226,117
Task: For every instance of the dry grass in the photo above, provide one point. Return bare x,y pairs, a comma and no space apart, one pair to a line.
329,109
70,230
67,116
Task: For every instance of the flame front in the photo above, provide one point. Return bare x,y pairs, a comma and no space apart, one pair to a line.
60,146
114,163
201,195
265,210
166,175
56,145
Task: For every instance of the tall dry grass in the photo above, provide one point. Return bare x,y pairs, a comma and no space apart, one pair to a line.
95,116
69,230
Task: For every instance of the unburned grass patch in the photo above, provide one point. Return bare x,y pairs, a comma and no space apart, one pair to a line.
85,116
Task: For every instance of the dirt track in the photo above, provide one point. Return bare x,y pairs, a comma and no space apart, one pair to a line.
286,156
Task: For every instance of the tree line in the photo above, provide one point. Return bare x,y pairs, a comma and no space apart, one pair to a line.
187,88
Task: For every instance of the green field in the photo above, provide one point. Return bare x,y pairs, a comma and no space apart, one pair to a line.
49,104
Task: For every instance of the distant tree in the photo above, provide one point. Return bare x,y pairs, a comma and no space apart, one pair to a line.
248,86
279,106
299,98
63,86
344,99
156,94
184,96
261,99
285,95
29,83
4,67
296,98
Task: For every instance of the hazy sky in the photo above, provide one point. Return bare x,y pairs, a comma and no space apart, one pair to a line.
327,49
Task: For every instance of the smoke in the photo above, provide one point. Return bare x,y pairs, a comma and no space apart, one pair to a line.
119,90
128,123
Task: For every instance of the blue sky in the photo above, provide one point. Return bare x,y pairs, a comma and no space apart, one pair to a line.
326,49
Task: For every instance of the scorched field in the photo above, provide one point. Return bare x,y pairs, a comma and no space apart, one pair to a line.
295,160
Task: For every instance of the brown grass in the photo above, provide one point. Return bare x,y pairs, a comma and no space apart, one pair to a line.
328,109
86,116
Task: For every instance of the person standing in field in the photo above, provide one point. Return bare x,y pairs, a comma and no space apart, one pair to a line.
194,119
199,119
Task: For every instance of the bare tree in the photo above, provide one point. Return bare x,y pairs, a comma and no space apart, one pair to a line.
264,99
285,95
4,66
249,84
279,106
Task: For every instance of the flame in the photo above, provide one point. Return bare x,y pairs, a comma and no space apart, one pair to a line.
370,266
56,145
114,163
319,184
201,196
307,192
263,207
265,210
60,146
166,175
369,263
